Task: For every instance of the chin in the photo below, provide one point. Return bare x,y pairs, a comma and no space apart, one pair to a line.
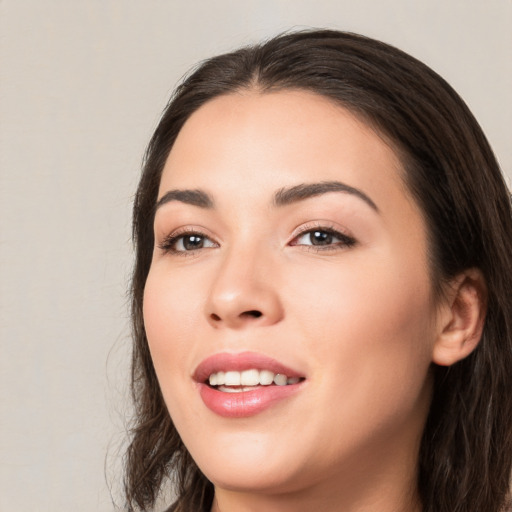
256,479
249,466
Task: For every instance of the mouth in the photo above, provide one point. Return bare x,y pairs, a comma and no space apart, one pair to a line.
245,384
248,380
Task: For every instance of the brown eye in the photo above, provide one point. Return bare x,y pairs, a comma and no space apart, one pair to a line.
324,238
320,238
191,242
186,242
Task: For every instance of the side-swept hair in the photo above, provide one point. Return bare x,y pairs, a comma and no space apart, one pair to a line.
466,451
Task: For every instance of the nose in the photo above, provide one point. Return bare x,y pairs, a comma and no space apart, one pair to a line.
244,292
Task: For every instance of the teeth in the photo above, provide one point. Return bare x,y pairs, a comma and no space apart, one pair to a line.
239,389
232,379
249,379
266,377
217,379
280,380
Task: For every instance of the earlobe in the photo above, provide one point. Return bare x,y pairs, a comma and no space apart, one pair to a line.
462,318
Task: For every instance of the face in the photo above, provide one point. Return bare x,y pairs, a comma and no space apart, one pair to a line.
289,268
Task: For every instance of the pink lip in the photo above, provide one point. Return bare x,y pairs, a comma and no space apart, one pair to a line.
247,403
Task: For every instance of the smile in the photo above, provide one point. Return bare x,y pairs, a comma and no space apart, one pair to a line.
235,381
244,384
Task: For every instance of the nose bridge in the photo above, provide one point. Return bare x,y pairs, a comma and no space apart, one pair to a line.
243,291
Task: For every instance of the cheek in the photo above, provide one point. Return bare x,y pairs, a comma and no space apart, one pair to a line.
169,319
170,312
370,334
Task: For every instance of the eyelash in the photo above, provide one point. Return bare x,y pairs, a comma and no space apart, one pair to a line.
344,239
168,244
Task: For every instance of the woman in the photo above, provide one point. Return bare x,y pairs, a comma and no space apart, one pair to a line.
321,296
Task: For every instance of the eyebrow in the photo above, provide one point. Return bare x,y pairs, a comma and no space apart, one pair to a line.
282,197
286,196
193,197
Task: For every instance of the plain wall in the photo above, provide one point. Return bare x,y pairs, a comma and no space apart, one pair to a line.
82,84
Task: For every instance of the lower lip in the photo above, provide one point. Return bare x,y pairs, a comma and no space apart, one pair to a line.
245,403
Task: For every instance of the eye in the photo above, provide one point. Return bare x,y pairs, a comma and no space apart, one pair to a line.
323,238
186,242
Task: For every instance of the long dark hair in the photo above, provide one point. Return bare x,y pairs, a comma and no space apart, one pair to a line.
466,451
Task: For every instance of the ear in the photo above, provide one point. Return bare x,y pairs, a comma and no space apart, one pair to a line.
462,318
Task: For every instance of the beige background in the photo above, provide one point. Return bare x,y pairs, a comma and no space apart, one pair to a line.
82,85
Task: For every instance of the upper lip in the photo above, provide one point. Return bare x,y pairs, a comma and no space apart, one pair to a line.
241,361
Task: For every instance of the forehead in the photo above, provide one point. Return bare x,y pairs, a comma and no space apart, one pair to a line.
252,140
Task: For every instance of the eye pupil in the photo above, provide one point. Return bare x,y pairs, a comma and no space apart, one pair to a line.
321,238
192,242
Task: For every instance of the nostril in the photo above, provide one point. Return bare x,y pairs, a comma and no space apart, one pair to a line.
253,313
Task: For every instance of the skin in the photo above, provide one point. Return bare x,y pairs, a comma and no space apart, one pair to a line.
357,320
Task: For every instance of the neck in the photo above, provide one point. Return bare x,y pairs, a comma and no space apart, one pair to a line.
226,501
299,503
